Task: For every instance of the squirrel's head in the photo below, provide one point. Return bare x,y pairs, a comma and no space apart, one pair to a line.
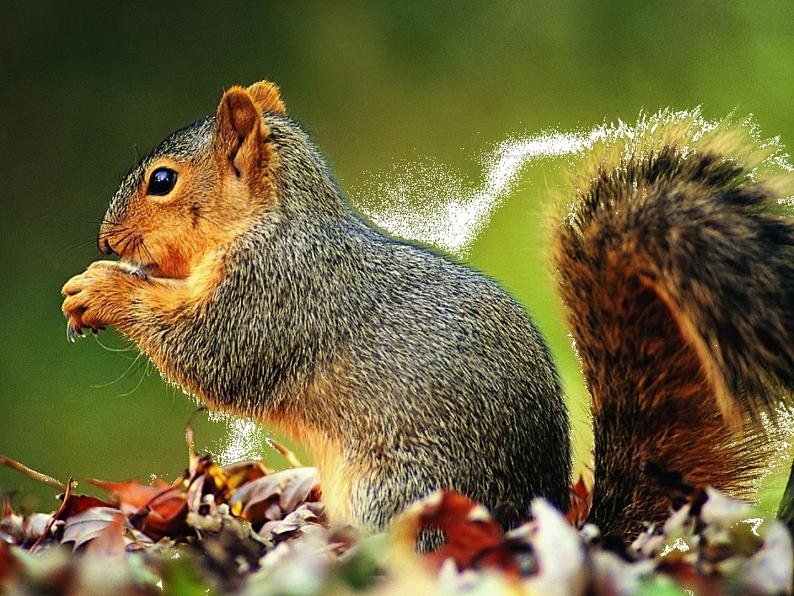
199,188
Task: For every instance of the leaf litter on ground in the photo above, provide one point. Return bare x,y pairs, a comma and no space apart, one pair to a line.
247,529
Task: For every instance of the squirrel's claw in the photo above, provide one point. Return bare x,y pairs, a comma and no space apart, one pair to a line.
73,330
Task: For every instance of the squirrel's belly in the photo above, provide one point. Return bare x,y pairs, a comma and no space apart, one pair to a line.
328,456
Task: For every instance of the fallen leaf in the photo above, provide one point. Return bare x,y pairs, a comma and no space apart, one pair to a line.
110,542
308,514
157,525
771,569
559,551
9,566
89,524
244,472
474,537
78,503
131,495
581,501
274,496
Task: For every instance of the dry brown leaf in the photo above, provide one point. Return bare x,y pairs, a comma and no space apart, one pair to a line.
274,496
308,514
157,525
89,524
9,566
110,542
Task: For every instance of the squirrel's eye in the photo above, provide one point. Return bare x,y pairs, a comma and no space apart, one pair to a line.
161,182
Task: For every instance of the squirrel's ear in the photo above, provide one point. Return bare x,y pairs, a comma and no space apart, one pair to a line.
267,97
239,131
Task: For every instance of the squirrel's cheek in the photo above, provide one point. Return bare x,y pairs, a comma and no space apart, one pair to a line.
174,264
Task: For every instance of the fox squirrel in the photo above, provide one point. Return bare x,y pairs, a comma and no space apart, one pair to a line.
250,282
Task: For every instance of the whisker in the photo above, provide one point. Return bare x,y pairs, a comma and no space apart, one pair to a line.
124,243
145,248
140,381
108,348
72,219
112,232
125,237
77,244
122,375
135,250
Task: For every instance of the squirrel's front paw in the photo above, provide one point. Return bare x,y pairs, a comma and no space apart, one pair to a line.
94,297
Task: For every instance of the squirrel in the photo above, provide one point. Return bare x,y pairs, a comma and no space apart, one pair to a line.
250,282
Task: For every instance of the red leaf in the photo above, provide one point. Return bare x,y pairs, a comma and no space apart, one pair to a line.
475,540
581,500
9,566
157,510
78,503
169,504
471,531
157,525
132,493
7,509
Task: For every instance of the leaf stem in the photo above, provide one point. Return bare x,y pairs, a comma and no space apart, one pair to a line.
30,473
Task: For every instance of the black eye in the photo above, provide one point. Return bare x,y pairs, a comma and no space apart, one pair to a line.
161,182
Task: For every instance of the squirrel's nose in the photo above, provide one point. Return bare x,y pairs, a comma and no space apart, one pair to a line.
104,245
106,234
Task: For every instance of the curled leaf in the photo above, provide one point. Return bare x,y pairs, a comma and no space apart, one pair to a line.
273,496
89,524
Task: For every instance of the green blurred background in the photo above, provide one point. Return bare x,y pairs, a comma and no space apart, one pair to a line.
376,83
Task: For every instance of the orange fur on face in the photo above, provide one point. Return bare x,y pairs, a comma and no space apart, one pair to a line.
217,196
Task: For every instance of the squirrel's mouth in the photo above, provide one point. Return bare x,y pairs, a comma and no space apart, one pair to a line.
145,269
133,253
154,269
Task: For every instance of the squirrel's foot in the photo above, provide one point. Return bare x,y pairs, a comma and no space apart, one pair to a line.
94,298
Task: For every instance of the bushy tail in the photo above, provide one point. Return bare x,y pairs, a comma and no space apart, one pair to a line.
676,263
